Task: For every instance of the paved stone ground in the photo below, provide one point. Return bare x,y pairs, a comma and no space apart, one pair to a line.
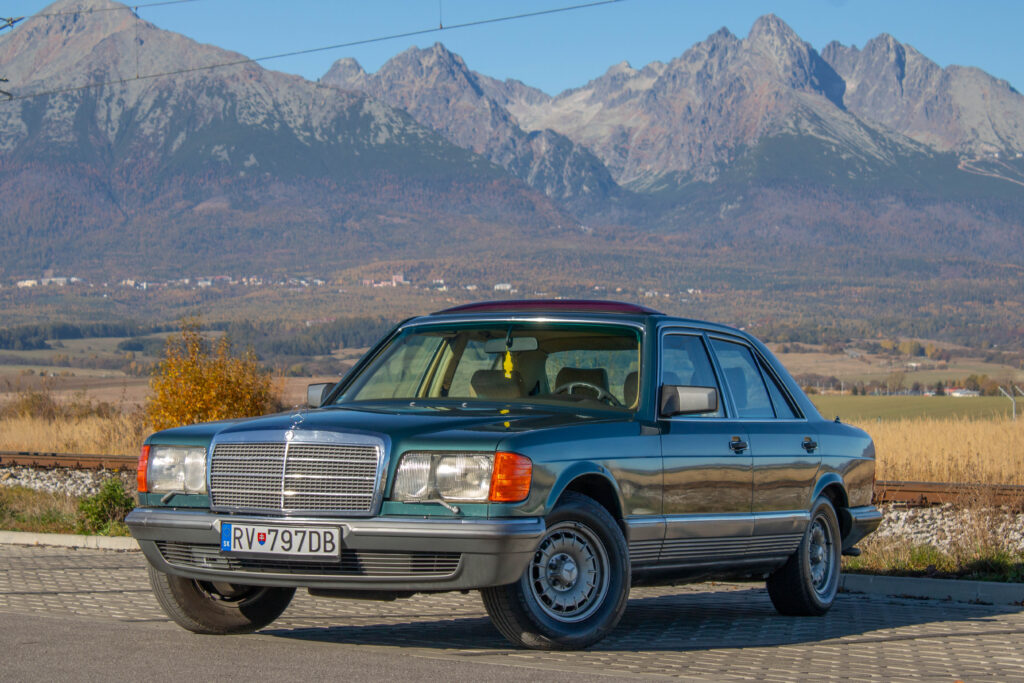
700,631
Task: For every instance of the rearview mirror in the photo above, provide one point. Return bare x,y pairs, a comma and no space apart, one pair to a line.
683,400
518,344
316,393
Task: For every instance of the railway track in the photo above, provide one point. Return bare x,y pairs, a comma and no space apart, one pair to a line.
913,493
69,460
925,493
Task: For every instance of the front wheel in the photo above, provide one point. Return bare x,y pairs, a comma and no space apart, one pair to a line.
218,608
807,584
576,586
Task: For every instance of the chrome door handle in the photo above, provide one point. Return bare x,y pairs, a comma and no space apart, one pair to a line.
809,444
737,444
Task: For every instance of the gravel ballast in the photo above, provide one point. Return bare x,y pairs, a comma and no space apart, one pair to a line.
76,483
947,527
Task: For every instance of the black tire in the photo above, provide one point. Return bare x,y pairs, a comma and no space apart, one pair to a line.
553,610
218,608
807,584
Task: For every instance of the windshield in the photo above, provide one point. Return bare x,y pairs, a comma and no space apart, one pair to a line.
511,363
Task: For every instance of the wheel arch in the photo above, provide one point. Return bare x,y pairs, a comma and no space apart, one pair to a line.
592,480
832,486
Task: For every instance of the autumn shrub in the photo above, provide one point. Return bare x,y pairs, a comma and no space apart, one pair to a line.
199,380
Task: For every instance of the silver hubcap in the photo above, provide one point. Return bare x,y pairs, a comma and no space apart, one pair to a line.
568,575
821,556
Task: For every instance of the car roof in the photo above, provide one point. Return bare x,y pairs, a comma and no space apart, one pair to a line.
591,309
550,306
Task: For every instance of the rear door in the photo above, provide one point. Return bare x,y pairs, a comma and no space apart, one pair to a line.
784,448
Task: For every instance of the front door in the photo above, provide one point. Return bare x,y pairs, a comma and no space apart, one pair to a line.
707,464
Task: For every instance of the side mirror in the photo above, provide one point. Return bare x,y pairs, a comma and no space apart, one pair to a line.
682,400
316,393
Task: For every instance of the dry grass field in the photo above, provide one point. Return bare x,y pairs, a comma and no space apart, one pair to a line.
944,450
92,435
952,449
118,434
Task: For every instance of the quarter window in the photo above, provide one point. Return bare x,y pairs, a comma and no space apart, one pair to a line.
783,408
744,379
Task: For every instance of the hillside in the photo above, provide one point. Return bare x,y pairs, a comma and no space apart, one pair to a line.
789,185
238,167
758,141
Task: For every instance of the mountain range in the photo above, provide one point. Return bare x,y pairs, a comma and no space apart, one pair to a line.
742,158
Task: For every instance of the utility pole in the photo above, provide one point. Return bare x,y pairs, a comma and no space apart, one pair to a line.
1012,398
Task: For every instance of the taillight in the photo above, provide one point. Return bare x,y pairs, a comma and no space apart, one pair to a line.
140,476
510,479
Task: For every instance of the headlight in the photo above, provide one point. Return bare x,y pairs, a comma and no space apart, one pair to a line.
449,476
176,468
459,477
466,476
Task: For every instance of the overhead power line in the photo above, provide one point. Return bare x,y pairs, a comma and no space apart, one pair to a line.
123,8
294,53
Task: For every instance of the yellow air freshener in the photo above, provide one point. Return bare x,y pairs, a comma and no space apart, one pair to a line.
507,365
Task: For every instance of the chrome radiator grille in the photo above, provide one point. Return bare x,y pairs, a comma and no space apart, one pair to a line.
295,478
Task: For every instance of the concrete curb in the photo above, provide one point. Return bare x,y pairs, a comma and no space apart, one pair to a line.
69,540
989,592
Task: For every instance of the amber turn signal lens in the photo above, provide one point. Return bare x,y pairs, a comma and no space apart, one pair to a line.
140,476
510,479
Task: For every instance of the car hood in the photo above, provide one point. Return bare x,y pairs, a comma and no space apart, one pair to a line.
406,426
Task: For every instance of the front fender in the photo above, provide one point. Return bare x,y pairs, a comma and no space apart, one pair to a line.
580,469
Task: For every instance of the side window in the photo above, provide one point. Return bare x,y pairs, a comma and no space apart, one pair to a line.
744,379
783,408
685,362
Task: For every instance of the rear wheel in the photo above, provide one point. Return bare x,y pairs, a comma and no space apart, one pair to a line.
576,586
218,608
807,584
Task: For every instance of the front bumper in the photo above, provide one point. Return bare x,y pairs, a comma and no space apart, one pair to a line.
861,521
381,554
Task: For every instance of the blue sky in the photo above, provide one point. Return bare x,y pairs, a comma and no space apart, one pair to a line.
566,50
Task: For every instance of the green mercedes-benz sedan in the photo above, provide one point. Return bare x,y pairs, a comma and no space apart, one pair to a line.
548,453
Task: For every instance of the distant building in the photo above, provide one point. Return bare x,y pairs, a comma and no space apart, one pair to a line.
503,287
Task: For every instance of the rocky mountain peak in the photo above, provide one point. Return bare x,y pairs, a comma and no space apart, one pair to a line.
435,86
622,67
345,70
776,47
774,34
953,109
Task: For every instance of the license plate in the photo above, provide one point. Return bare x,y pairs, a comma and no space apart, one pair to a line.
301,541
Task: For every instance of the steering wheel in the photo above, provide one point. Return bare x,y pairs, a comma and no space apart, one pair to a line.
602,393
